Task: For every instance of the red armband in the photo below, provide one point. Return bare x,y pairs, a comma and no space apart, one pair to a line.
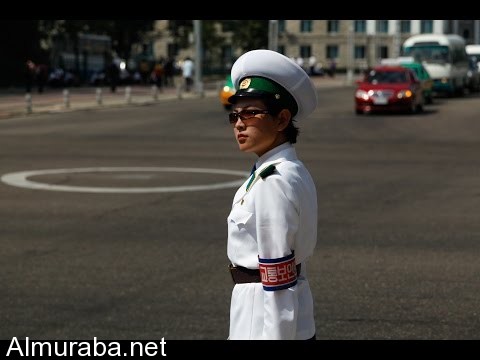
278,274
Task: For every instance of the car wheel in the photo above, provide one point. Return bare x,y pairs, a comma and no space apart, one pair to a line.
358,112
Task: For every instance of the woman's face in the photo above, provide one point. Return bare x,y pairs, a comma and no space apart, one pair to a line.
260,132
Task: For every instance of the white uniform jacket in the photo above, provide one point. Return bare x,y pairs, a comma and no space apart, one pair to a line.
276,217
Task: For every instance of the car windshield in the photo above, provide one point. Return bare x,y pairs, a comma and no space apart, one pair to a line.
386,77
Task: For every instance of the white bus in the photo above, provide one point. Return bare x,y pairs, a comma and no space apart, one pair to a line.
444,57
473,53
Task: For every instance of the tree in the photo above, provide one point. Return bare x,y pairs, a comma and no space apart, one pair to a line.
180,30
250,34
20,41
123,33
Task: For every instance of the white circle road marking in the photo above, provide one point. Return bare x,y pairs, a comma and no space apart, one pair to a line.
20,179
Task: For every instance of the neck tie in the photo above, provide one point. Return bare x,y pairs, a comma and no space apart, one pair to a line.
253,169
252,175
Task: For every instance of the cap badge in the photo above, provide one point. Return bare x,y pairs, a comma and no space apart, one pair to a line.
277,96
245,83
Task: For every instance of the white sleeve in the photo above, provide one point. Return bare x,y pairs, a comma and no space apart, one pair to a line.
277,219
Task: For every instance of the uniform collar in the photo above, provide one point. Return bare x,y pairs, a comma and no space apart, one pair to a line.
282,152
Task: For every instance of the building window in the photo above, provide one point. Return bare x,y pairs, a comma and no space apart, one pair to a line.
281,49
383,52
426,26
359,52
305,51
332,26
281,26
306,26
382,26
332,51
360,26
405,26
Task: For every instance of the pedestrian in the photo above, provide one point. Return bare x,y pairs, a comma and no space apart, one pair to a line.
113,75
30,69
187,73
312,64
41,77
169,70
272,225
333,67
158,73
300,61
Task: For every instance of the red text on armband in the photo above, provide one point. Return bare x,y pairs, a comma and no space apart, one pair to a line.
278,274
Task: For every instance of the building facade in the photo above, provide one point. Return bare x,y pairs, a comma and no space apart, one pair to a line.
360,44
351,44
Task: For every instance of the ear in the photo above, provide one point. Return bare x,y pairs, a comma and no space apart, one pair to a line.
284,118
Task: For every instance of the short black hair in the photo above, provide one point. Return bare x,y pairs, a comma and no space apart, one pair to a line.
291,131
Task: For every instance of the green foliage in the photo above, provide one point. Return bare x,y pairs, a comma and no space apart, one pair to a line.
123,33
35,39
20,41
250,34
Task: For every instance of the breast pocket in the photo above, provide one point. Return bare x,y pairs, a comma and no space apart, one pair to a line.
240,217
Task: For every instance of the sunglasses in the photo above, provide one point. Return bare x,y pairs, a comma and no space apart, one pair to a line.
245,115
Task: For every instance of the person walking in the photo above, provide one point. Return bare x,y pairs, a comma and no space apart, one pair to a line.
113,75
30,70
169,70
187,73
272,225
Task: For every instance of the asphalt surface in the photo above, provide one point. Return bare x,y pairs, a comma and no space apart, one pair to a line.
398,230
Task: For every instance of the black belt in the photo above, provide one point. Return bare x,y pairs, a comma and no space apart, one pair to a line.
243,275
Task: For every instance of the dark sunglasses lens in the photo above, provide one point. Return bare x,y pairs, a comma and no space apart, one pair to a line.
233,117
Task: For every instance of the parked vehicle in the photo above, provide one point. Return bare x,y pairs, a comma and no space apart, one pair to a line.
444,57
473,53
422,74
389,88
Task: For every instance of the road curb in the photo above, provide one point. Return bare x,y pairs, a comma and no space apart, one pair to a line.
136,100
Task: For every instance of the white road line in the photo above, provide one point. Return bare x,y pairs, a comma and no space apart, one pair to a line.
20,179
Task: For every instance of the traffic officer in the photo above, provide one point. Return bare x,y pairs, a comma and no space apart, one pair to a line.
272,226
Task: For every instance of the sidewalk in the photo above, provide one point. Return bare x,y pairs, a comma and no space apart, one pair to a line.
81,98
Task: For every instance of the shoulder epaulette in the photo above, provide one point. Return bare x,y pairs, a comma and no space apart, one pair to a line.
267,171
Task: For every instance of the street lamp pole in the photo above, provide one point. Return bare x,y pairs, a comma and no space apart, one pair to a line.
396,39
273,35
350,53
197,27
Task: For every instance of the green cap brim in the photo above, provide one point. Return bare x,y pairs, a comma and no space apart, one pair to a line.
263,88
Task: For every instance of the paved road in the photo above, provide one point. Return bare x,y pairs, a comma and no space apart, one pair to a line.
398,244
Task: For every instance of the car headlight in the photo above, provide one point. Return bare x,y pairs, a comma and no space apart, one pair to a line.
404,94
361,94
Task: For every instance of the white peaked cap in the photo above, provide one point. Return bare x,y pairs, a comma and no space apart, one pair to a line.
281,69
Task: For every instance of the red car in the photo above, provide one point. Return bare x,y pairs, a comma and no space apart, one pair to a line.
389,88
